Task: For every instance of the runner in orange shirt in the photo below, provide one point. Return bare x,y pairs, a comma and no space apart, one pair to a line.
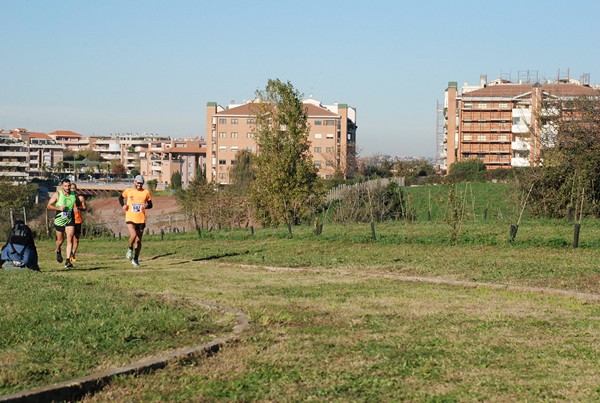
135,201
79,207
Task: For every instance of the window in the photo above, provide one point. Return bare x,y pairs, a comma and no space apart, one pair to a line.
502,138
317,149
467,137
330,122
222,135
481,155
328,176
318,135
222,148
318,164
483,106
481,137
329,163
222,176
503,106
234,121
318,122
250,135
222,162
466,155
250,121
516,120
329,135
328,149
222,121
249,148
232,162
468,106
234,135
234,148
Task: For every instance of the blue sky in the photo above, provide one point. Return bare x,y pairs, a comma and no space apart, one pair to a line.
151,66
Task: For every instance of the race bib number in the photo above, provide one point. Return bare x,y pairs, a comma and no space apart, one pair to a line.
136,208
66,214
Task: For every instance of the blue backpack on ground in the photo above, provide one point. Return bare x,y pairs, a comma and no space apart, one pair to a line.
19,251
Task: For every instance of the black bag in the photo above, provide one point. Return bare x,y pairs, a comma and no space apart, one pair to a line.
20,251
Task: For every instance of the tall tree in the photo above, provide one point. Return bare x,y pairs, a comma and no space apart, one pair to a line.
569,177
242,173
176,181
286,182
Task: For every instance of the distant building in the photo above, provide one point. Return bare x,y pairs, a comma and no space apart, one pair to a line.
124,148
13,157
498,122
160,160
332,136
44,153
69,139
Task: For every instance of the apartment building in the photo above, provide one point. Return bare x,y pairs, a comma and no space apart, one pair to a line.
499,122
332,136
69,139
13,157
42,152
124,148
160,160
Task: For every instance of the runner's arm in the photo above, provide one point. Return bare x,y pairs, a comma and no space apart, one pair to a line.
82,205
148,204
52,202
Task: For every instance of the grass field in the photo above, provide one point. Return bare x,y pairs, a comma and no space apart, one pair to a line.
333,317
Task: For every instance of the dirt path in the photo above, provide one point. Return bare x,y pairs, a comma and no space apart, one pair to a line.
165,214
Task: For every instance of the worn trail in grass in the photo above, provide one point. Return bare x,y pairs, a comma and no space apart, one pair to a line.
344,325
330,334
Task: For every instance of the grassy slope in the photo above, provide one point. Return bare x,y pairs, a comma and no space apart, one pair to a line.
341,325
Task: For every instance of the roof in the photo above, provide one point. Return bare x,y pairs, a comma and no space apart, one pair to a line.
186,150
514,90
38,135
65,133
250,109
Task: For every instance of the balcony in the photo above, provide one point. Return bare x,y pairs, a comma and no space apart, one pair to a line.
520,128
520,145
519,162
17,164
14,154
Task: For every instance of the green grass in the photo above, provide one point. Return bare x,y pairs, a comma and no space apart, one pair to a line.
333,317
55,327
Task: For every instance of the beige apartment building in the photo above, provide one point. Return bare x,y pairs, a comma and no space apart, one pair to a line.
499,122
332,136
26,155
161,159
69,139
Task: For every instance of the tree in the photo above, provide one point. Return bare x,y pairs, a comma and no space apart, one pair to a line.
468,170
569,177
287,183
176,180
152,183
376,166
242,172
118,169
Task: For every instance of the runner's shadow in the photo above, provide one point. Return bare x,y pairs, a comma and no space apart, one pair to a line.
159,256
215,257
87,268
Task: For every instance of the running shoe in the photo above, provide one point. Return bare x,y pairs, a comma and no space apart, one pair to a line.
135,263
59,257
68,264
129,254
73,259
